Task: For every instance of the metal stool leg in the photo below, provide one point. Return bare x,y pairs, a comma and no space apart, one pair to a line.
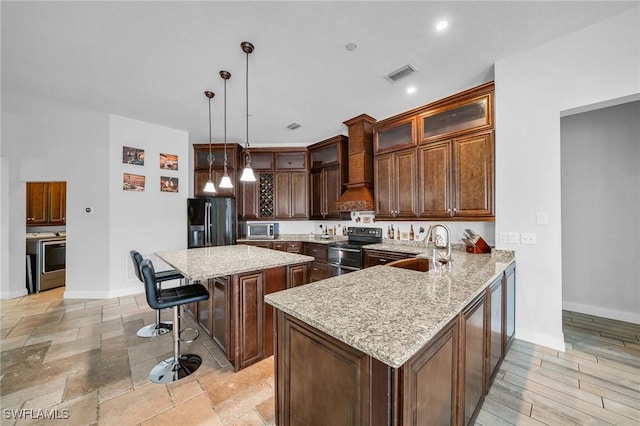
179,366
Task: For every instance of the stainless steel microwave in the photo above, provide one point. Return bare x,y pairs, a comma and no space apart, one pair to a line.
262,231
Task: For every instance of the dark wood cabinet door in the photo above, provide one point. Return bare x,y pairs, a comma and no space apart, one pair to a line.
473,171
250,204
383,185
297,275
299,196
317,204
290,195
221,309
405,175
37,198
57,204
472,358
435,181
319,380
250,344
430,381
495,331
333,189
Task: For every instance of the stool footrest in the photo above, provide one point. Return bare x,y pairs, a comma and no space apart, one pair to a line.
187,341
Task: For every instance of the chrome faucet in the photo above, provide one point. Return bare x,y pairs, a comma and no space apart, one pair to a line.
438,243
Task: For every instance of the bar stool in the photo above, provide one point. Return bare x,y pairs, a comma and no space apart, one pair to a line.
159,328
180,365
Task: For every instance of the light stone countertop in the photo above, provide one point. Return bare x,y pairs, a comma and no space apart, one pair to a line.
211,262
311,238
390,313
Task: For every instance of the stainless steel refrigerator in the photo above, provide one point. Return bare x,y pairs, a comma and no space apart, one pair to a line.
211,222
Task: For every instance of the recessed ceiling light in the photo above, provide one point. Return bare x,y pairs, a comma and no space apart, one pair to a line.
442,25
411,90
351,46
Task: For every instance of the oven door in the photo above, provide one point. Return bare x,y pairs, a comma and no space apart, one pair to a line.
336,269
53,257
343,256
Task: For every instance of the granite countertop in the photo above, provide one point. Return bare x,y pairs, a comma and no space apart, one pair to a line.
311,238
390,313
211,262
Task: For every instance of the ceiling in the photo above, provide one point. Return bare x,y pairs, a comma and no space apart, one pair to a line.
152,61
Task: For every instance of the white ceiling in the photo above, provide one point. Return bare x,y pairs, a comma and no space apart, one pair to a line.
152,61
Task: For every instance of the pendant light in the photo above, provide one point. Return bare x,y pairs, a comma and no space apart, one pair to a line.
225,182
247,173
210,187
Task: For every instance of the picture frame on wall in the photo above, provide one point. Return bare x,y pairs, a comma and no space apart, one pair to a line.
131,182
133,156
168,161
168,184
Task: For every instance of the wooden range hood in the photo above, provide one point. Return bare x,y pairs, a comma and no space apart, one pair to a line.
359,195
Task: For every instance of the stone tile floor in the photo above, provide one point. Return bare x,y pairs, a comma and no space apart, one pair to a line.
81,362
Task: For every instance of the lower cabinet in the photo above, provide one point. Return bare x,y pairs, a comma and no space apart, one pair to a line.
321,380
430,382
319,269
509,320
235,316
472,357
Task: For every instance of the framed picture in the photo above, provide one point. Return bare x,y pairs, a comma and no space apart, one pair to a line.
168,161
133,156
168,184
132,182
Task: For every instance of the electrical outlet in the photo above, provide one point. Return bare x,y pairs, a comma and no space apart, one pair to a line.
509,237
528,238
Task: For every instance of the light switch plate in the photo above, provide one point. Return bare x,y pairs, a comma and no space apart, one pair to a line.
509,237
528,238
542,218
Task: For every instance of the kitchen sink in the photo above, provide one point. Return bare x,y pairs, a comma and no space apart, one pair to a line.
413,263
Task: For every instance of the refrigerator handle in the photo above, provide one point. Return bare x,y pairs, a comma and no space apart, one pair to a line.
207,224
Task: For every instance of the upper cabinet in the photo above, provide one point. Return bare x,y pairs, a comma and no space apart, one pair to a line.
328,176
394,135
453,177
46,203
281,187
457,117
201,168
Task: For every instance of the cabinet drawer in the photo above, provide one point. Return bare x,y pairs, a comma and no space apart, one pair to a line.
318,271
318,251
293,246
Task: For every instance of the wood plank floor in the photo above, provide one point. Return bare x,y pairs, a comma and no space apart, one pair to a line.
595,382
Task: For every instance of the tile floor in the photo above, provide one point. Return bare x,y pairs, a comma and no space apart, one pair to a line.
81,361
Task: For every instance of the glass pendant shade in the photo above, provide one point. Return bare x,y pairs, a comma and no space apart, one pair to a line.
225,182
210,187
247,174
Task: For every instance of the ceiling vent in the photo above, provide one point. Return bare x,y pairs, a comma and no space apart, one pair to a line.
293,126
400,73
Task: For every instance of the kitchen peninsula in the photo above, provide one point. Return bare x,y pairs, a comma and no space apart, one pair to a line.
386,345
237,278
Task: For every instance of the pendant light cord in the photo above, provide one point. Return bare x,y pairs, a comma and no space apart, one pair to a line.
210,158
248,155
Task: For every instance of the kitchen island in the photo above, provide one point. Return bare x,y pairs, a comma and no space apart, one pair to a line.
393,346
237,278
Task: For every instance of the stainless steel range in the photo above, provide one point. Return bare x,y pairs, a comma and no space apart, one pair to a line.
347,257
46,260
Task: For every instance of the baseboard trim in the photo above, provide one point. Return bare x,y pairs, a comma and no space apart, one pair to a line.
6,295
599,311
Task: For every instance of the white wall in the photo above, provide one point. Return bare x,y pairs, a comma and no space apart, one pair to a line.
592,65
56,142
150,220
601,212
